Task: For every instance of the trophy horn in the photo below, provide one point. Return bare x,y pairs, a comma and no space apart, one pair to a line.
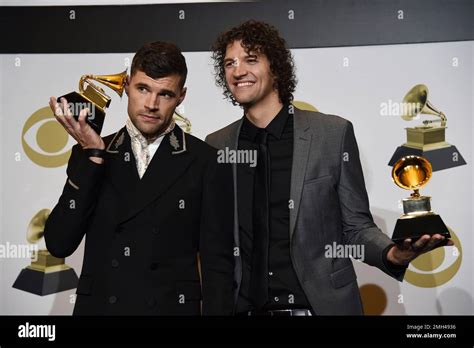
35,229
418,96
115,82
412,173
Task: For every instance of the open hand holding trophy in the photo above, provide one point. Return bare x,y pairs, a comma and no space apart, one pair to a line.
94,97
412,173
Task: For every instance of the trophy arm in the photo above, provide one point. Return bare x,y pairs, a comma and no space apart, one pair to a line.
82,81
443,119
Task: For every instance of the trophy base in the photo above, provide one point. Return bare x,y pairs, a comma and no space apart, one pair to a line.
42,283
414,227
440,159
96,116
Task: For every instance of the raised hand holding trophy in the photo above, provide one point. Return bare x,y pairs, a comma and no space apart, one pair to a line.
94,97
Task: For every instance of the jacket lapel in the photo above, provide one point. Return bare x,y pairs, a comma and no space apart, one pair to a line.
231,141
169,163
302,142
121,165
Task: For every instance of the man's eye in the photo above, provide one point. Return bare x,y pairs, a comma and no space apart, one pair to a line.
251,61
142,89
228,64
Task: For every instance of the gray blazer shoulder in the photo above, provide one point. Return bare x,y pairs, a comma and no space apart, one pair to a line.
219,137
321,120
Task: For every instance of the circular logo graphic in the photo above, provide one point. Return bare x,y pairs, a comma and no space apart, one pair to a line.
304,105
50,138
374,299
431,261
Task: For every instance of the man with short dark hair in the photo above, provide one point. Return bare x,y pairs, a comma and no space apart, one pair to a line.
148,198
306,193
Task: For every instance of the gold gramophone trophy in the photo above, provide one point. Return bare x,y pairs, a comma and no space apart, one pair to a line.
46,274
94,97
412,173
426,140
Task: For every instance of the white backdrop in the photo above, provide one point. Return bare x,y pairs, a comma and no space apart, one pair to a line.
350,82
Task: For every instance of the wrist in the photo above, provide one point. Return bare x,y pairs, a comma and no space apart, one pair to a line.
393,259
99,147
96,155
97,160
98,144
390,257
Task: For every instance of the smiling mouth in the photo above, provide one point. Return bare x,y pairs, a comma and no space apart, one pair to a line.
244,84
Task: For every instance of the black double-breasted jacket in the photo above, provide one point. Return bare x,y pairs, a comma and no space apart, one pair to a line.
143,236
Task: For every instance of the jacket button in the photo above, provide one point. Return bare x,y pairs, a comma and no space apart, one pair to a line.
115,263
155,230
235,284
153,266
112,299
119,229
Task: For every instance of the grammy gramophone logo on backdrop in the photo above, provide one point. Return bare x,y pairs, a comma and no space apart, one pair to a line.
46,274
426,140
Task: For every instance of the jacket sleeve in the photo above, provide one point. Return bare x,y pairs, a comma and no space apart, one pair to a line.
69,220
358,225
216,240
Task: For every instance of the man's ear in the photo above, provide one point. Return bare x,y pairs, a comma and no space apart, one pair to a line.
183,94
127,84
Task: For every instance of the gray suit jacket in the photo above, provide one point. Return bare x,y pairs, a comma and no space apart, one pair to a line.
330,206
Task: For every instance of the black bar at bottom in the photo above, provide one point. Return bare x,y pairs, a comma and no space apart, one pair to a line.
416,330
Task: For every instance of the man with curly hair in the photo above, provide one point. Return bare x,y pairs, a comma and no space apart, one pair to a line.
305,199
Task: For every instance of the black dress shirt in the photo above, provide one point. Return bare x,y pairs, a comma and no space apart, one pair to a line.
284,288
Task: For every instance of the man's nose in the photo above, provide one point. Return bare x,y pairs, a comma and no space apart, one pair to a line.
152,102
239,70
